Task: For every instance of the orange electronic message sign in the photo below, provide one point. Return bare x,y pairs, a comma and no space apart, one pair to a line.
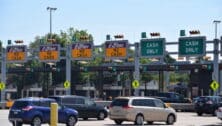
82,51
116,49
16,53
49,52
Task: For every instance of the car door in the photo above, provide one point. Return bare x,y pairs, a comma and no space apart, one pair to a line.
91,108
44,107
143,106
81,106
160,112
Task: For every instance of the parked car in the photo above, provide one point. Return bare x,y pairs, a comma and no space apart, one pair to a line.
86,107
172,97
207,104
140,109
36,111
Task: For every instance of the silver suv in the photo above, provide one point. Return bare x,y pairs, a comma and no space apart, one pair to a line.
140,109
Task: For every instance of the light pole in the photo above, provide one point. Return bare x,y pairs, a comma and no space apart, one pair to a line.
216,22
216,57
50,9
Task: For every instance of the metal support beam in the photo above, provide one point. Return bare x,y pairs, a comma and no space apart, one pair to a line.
3,74
68,69
215,63
137,68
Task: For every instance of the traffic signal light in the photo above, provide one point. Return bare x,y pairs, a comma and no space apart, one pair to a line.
51,40
143,35
155,34
112,69
84,38
18,41
108,37
84,69
194,32
118,36
28,69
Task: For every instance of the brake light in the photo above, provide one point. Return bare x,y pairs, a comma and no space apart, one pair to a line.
209,102
27,108
127,107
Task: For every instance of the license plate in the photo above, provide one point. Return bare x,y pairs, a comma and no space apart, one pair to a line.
15,112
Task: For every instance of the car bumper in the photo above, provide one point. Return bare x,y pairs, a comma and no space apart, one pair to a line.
127,117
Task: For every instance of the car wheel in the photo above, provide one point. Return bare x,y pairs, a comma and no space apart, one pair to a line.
85,118
101,116
118,122
214,112
139,120
17,124
199,113
71,121
170,119
36,121
149,122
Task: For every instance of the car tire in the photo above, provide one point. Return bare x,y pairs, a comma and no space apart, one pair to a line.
139,120
71,121
118,122
17,124
36,121
170,119
199,113
85,118
149,122
101,115
214,113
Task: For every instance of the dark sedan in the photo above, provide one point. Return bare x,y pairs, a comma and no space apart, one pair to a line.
85,106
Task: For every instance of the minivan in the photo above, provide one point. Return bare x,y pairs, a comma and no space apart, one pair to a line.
139,110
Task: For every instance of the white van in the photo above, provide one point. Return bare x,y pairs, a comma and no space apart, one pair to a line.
139,110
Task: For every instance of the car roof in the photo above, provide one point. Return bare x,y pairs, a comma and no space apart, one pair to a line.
35,99
134,97
67,96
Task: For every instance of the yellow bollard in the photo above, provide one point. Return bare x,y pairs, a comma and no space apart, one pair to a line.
54,114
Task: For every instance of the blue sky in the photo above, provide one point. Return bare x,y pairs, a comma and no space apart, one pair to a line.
25,19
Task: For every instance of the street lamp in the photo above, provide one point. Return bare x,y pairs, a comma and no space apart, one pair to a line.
216,22
216,56
50,9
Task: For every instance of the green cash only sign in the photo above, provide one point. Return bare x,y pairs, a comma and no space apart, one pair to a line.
192,46
152,47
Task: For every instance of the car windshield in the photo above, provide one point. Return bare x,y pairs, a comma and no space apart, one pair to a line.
203,99
120,102
164,95
20,104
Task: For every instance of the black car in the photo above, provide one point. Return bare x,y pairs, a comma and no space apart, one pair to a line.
207,104
36,111
85,106
172,97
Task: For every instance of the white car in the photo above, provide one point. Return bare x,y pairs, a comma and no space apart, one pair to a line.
139,110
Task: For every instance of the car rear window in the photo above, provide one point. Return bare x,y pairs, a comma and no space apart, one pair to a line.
120,102
20,104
